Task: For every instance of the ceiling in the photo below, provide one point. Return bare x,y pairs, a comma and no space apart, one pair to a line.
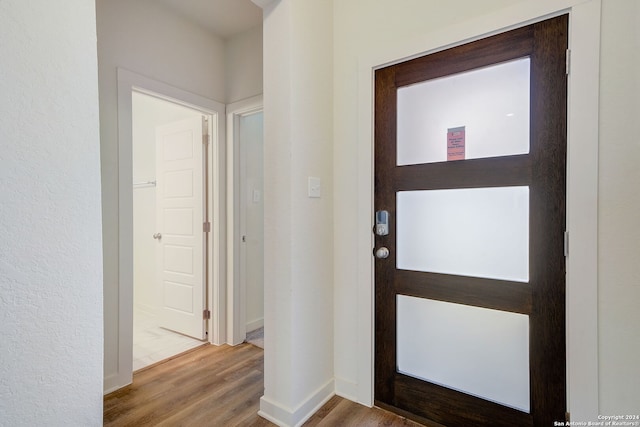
225,18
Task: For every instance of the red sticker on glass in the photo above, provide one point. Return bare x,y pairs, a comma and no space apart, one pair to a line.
455,143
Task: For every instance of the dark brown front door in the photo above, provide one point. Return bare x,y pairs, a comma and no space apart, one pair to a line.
470,166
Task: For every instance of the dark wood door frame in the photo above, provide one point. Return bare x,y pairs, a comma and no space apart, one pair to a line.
543,170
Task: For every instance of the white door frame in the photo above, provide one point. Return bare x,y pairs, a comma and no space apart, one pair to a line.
582,183
236,320
129,81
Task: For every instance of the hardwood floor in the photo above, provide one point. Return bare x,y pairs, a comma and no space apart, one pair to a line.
345,413
218,386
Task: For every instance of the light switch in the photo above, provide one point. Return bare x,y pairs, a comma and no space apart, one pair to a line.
314,187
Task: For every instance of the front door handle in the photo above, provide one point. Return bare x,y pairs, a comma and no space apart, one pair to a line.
382,253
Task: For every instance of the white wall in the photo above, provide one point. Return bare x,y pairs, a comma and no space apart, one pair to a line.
252,180
50,256
243,62
143,37
619,205
298,230
148,112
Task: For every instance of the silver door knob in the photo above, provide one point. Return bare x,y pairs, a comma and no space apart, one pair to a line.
382,253
157,236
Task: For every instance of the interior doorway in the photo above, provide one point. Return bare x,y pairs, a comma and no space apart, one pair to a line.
168,295
216,263
252,223
246,225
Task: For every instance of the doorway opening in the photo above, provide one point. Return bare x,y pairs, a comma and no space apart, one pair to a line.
164,302
252,225
246,293
215,297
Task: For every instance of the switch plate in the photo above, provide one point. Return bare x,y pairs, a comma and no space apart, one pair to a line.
314,187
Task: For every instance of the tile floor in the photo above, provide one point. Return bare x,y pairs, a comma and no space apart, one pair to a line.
256,337
151,343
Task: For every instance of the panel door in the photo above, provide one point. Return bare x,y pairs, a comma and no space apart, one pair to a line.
470,165
180,217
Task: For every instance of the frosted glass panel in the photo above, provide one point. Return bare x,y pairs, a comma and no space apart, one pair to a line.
474,350
490,104
480,232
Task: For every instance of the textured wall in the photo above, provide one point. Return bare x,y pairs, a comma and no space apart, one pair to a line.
50,225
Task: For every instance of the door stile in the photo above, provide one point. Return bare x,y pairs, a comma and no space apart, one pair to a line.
548,213
385,148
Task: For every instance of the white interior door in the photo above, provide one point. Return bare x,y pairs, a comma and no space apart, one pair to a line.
180,215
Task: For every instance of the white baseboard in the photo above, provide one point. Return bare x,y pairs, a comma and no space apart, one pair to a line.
255,324
113,383
347,389
286,417
273,412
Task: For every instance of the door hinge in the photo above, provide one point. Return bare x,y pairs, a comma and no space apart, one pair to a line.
206,227
566,244
206,314
568,61
205,130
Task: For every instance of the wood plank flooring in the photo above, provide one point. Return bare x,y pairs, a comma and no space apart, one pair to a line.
345,413
218,386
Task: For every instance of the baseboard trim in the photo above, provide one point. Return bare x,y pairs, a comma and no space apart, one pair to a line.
114,382
286,417
273,412
347,389
255,324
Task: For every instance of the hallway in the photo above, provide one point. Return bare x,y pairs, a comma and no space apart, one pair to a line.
218,386
206,386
